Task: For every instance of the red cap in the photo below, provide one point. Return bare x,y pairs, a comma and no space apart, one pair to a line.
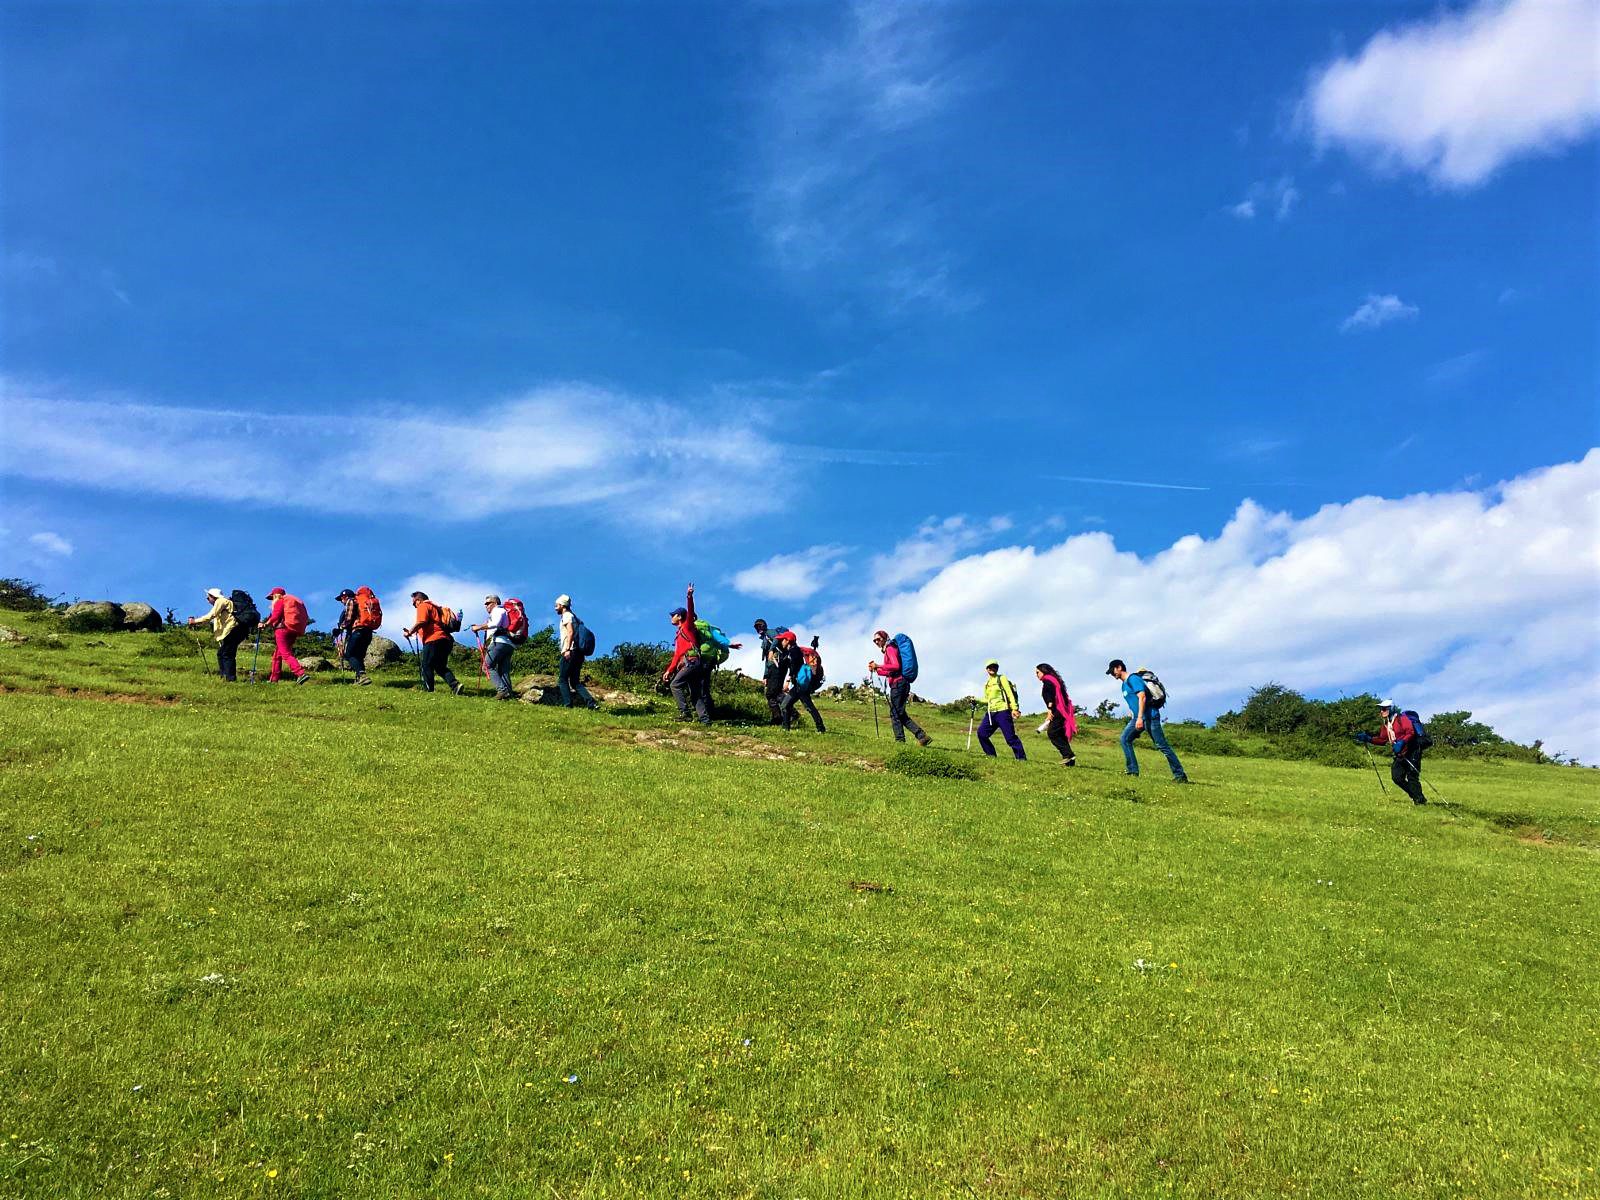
786,636
276,592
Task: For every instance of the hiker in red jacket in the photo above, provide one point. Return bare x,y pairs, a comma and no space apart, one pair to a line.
287,620
1399,731
436,643
687,674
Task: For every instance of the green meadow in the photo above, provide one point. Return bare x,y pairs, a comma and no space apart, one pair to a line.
328,941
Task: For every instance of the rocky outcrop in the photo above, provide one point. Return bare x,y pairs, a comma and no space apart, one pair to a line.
315,663
545,689
94,616
380,652
7,634
140,618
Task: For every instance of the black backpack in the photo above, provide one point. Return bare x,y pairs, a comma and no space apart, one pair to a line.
582,637
245,611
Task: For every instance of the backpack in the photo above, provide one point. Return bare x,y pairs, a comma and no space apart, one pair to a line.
713,643
817,676
369,613
516,621
582,636
1153,685
908,657
245,611
295,617
449,619
1424,742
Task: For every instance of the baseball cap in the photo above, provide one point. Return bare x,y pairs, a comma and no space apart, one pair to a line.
1116,664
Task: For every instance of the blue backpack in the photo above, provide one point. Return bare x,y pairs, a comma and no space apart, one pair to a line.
908,657
582,637
1424,742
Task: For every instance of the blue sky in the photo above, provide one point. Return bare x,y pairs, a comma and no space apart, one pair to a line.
827,308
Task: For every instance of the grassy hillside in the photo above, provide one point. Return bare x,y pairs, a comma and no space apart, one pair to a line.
328,941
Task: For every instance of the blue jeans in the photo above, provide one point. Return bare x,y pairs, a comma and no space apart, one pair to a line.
1152,725
356,643
498,659
570,680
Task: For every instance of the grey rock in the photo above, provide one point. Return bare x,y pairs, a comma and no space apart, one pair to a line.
381,651
94,616
7,634
315,662
138,618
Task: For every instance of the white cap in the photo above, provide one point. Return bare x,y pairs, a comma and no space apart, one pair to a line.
563,601
214,593
1385,703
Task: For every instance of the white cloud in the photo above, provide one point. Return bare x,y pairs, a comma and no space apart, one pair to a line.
792,576
51,543
563,447
847,178
1378,310
1462,94
1278,197
1467,599
935,543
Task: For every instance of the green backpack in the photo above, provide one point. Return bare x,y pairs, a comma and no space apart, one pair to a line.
713,643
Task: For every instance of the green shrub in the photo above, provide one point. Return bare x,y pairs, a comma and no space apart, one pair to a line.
23,595
91,622
929,764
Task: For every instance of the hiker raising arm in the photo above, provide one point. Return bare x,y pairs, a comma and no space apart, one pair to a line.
687,674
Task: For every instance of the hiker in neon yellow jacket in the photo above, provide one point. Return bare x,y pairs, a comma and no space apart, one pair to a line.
1004,710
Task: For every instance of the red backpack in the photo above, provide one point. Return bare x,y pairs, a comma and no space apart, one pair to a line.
295,617
516,621
369,613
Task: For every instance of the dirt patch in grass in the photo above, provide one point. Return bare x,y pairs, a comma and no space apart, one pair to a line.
72,693
732,745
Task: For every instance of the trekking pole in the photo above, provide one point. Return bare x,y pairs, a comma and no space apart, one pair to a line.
205,665
875,731
1375,770
255,654
483,655
1417,771
972,716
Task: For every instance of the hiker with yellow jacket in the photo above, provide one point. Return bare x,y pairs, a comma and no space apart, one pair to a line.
1004,711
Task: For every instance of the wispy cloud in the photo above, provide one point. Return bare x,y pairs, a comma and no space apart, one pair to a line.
847,186
1451,372
1459,95
1278,197
797,576
936,542
50,543
643,461
1137,483
1376,311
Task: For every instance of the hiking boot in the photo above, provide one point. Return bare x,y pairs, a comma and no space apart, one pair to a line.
924,740
1181,779
306,678
458,688
363,680
821,729
1069,762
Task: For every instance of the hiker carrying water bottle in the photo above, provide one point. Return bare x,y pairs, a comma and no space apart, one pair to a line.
1409,740
571,638
226,629
430,626
1146,709
498,647
899,672
1004,711
1062,726
288,619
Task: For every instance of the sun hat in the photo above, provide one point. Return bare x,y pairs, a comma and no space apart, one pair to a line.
214,593
1385,703
563,601
993,662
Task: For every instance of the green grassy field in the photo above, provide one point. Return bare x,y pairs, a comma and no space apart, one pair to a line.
329,941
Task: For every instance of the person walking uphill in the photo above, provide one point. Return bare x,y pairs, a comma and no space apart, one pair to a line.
807,676
431,627
899,672
1408,741
1146,716
775,667
687,674
228,631
571,638
498,647
1062,726
287,619
1004,711
358,622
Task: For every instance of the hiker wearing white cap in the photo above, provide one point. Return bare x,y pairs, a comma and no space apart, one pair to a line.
1404,732
1004,710
227,630
571,639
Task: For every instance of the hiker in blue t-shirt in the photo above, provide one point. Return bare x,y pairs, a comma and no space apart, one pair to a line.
1146,716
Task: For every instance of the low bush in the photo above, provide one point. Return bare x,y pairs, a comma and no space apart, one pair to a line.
929,764
23,595
91,622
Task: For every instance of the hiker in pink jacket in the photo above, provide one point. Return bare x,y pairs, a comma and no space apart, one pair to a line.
1063,723
287,620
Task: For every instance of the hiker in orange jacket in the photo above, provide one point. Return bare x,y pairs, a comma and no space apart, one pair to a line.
436,643
287,620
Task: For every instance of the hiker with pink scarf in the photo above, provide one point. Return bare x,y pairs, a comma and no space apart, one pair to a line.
1063,723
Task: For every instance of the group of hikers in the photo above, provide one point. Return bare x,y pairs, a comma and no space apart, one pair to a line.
791,673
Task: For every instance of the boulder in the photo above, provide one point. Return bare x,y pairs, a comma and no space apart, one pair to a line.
140,618
546,689
93,616
7,634
381,651
315,662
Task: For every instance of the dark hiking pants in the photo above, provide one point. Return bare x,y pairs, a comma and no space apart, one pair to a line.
356,644
774,688
436,661
1056,731
801,697
1007,726
1406,771
691,684
228,654
899,720
569,679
